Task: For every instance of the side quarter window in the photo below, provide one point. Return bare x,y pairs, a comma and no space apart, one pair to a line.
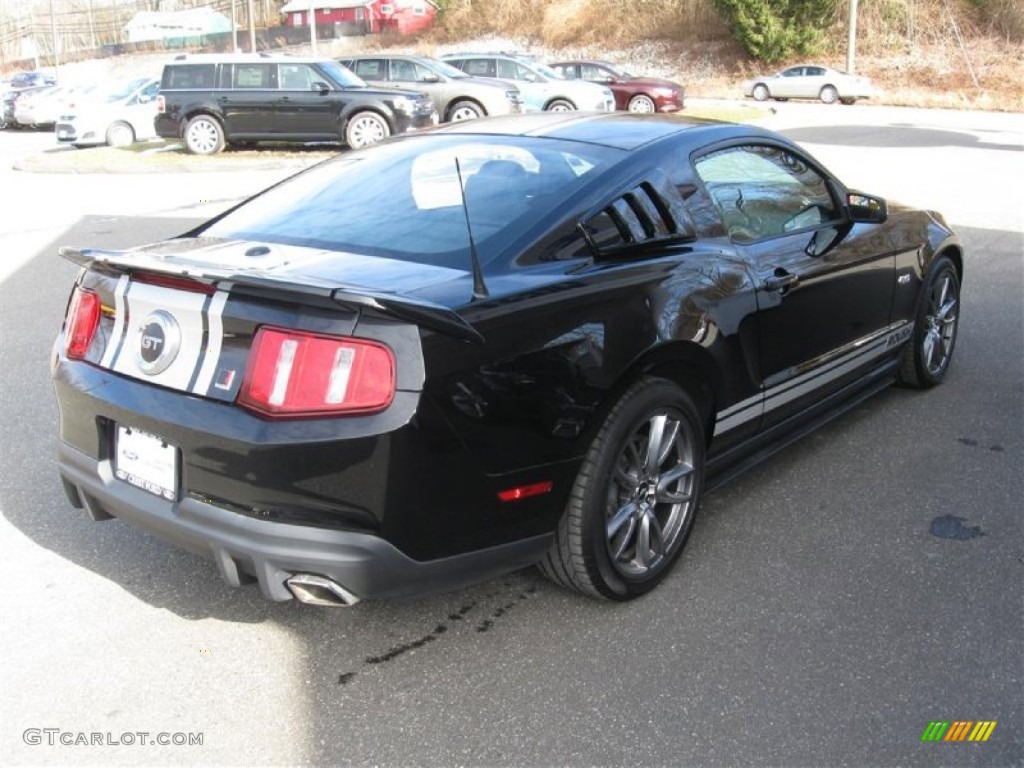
764,191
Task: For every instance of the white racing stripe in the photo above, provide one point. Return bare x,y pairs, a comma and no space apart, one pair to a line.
215,337
120,314
863,351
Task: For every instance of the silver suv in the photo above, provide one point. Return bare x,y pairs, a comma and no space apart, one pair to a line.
456,95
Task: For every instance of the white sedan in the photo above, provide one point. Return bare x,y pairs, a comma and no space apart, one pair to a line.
808,81
117,116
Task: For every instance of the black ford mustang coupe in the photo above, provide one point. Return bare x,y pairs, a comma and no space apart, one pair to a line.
526,340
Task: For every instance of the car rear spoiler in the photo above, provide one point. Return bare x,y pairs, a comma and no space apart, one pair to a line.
424,313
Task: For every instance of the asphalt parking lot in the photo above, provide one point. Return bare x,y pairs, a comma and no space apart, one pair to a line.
831,603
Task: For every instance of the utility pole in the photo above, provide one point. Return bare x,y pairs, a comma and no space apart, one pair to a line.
234,26
92,29
851,43
312,25
252,28
56,55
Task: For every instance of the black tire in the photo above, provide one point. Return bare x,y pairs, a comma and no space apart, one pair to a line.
627,520
848,100
464,110
204,135
560,105
928,355
829,94
760,92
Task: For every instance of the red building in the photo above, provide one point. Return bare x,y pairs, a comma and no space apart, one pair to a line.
368,16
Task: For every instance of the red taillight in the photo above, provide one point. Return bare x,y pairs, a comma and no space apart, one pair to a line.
161,105
303,374
81,323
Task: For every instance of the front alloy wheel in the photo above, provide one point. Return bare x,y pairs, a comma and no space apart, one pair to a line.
641,103
926,359
635,498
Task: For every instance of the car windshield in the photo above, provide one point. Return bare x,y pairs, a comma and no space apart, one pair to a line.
341,75
619,73
546,71
120,91
443,69
404,200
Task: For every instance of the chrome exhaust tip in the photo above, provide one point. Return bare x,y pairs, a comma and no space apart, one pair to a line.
319,590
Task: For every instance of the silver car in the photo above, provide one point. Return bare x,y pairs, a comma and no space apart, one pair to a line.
456,95
541,86
809,81
117,115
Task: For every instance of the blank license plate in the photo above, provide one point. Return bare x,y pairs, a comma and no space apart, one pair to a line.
147,462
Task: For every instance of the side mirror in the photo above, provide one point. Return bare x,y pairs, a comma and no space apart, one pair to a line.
607,79
431,78
866,209
320,87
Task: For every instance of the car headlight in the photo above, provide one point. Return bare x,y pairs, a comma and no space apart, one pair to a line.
664,90
404,104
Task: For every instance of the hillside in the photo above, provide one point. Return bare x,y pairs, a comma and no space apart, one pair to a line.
919,52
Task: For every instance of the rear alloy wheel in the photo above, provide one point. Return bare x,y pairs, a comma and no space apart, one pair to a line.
927,356
561,105
829,94
760,92
204,136
120,135
634,501
366,129
465,110
641,103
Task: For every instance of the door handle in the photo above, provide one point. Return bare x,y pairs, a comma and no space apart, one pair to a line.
781,281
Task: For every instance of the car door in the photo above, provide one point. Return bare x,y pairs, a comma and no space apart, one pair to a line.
787,84
412,76
305,103
248,105
141,110
825,285
813,81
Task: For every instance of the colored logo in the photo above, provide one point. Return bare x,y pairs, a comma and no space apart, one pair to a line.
958,730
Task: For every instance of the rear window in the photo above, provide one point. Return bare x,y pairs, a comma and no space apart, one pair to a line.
182,76
404,200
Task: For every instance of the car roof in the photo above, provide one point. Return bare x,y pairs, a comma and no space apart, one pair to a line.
621,130
246,58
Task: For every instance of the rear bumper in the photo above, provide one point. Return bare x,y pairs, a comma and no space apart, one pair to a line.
270,552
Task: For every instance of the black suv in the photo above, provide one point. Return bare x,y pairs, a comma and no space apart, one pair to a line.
210,100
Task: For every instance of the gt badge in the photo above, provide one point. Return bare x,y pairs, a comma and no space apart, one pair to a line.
159,342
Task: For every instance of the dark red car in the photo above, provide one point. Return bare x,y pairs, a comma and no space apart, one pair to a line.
635,94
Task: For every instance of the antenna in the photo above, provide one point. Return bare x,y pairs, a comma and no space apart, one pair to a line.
479,287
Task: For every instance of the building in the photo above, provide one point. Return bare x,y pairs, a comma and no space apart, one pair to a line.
177,26
364,16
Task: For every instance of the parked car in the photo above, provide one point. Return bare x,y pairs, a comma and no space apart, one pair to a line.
10,104
117,115
810,82
542,88
212,100
456,95
40,108
535,340
30,80
632,93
